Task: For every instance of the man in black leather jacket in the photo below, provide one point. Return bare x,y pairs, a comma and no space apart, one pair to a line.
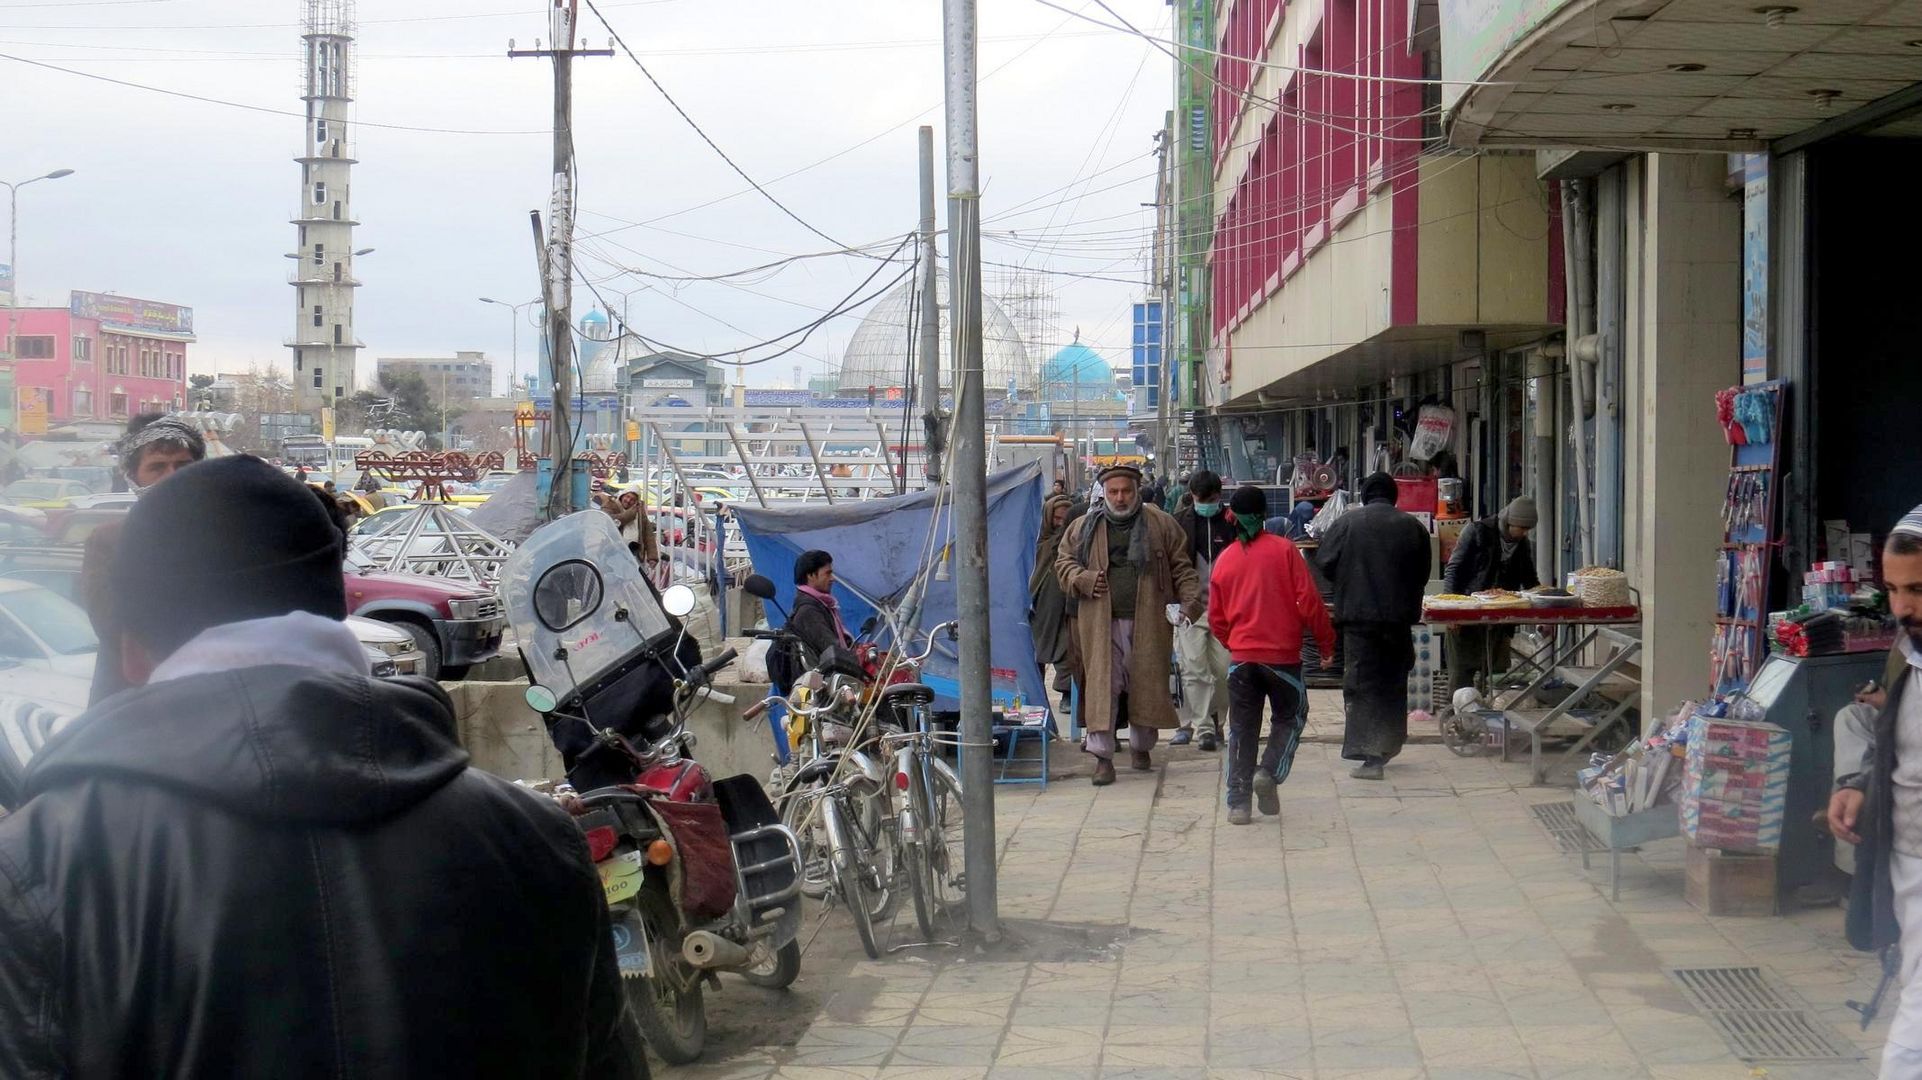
259,861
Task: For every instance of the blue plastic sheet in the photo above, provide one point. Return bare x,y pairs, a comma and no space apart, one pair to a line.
879,547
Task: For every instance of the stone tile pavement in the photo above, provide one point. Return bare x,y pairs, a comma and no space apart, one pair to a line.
1421,927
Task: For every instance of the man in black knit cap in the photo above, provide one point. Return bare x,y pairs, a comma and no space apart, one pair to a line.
261,861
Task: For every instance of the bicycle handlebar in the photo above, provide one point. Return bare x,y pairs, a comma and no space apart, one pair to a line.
929,651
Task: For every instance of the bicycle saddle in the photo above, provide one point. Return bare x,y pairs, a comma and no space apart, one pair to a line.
907,695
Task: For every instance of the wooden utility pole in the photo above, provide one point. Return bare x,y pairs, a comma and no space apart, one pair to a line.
557,278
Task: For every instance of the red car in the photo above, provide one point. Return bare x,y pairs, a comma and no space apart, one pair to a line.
455,624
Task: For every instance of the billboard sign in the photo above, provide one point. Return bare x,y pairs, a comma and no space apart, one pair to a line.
126,312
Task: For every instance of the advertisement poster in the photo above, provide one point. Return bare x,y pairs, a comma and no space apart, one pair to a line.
126,312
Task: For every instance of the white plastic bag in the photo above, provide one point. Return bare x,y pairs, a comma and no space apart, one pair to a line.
1434,426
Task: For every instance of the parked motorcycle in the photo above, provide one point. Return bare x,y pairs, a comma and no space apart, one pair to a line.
700,875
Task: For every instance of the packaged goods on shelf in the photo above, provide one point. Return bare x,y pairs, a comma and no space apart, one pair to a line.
1735,783
1642,776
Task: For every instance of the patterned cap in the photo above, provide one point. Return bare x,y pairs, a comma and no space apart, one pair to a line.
1911,523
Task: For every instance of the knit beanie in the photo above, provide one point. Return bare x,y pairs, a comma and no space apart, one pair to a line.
226,541
1520,513
1250,506
1379,487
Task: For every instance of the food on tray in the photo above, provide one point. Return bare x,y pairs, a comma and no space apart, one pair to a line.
1451,598
1450,602
1548,590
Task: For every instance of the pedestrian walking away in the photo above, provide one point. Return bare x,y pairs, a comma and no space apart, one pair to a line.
1047,604
1262,603
1122,566
1494,553
1202,659
1878,806
260,860
1378,560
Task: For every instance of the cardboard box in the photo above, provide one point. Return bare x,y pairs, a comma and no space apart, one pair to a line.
1835,538
1862,556
1730,883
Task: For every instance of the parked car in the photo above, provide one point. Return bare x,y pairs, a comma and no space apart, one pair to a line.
45,493
391,650
455,625
47,647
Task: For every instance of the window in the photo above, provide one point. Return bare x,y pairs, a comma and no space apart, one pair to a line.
82,401
337,337
118,402
316,378
320,193
300,360
83,350
340,391
317,316
320,254
320,130
303,236
336,209
38,347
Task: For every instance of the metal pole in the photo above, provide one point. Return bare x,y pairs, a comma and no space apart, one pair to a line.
970,467
930,317
735,438
819,469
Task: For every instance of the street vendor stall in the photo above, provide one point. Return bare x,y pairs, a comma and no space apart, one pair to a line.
1614,628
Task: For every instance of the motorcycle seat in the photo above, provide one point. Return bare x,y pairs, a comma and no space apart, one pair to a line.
907,695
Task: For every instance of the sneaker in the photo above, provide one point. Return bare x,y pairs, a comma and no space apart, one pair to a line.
1184,737
1238,815
1103,772
1141,761
1367,770
1265,794
1208,741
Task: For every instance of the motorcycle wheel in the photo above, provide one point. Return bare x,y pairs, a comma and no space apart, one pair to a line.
674,1022
780,972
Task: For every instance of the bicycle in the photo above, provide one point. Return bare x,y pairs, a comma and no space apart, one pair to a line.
928,802
835,805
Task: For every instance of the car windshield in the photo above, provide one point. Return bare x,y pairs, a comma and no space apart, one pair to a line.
53,619
36,489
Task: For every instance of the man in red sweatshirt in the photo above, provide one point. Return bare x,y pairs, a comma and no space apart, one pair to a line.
1261,600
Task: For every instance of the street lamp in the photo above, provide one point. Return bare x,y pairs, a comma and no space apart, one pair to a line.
514,317
13,246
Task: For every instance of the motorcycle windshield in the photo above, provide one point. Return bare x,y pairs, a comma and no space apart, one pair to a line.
574,587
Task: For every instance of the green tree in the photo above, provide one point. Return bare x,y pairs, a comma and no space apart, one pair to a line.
200,382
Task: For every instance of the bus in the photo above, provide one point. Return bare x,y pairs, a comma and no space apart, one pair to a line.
318,456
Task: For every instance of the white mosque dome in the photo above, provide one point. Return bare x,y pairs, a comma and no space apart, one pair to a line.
877,354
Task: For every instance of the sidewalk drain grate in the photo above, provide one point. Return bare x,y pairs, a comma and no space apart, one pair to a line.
1759,1019
1562,824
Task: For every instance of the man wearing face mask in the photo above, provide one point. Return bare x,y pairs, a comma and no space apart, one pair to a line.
154,448
1203,660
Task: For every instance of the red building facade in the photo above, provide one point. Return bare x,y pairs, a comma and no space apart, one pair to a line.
102,357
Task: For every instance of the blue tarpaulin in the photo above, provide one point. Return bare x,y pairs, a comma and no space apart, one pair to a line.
879,547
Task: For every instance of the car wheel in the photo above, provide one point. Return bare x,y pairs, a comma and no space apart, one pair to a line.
429,646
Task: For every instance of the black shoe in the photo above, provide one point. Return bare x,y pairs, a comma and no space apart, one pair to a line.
1266,796
1103,772
1367,770
1238,815
1208,741
1183,737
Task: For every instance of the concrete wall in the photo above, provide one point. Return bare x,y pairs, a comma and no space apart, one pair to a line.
1483,241
508,739
1683,344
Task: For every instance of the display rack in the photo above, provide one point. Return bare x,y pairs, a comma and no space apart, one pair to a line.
1751,420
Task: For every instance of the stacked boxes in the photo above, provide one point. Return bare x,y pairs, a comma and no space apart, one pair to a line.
1735,784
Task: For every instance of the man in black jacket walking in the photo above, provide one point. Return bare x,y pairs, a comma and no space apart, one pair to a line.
1378,560
260,861
1878,806
1493,553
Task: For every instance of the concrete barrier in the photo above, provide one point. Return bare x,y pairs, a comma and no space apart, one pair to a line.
508,739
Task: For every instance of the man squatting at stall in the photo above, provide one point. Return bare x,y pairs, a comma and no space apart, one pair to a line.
1122,566
1878,807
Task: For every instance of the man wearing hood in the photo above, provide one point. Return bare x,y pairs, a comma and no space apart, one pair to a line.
1204,662
154,448
1122,566
262,861
1493,553
1377,558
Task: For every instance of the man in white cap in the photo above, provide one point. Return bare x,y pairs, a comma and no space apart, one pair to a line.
1122,566
1878,806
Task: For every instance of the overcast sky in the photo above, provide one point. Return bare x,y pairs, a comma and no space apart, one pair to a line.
188,202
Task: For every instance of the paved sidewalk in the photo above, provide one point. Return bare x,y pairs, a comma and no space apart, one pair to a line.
1425,926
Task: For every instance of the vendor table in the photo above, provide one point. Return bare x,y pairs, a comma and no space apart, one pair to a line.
1621,625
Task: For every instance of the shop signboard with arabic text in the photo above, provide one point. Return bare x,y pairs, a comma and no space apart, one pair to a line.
130,313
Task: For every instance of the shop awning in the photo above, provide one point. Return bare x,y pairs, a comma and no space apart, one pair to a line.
1672,74
1395,353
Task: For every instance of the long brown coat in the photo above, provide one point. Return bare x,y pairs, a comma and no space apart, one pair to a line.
1169,577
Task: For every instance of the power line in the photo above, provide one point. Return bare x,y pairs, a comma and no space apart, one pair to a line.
244,106
712,145
520,13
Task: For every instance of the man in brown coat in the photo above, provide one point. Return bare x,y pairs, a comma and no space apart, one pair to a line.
1122,565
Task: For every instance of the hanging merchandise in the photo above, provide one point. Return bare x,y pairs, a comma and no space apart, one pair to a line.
1750,417
1330,512
1433,428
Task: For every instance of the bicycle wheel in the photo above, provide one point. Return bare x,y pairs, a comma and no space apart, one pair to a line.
850,875
943,837
916,864
801,814
877,838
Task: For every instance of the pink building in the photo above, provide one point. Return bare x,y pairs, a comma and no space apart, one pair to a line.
102,357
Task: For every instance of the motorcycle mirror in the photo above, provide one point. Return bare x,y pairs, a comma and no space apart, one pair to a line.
540,699
759,587
678,601
868,626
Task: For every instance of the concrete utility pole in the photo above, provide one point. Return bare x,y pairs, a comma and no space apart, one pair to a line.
930,316
970,466
557,281
1164,286
13,271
